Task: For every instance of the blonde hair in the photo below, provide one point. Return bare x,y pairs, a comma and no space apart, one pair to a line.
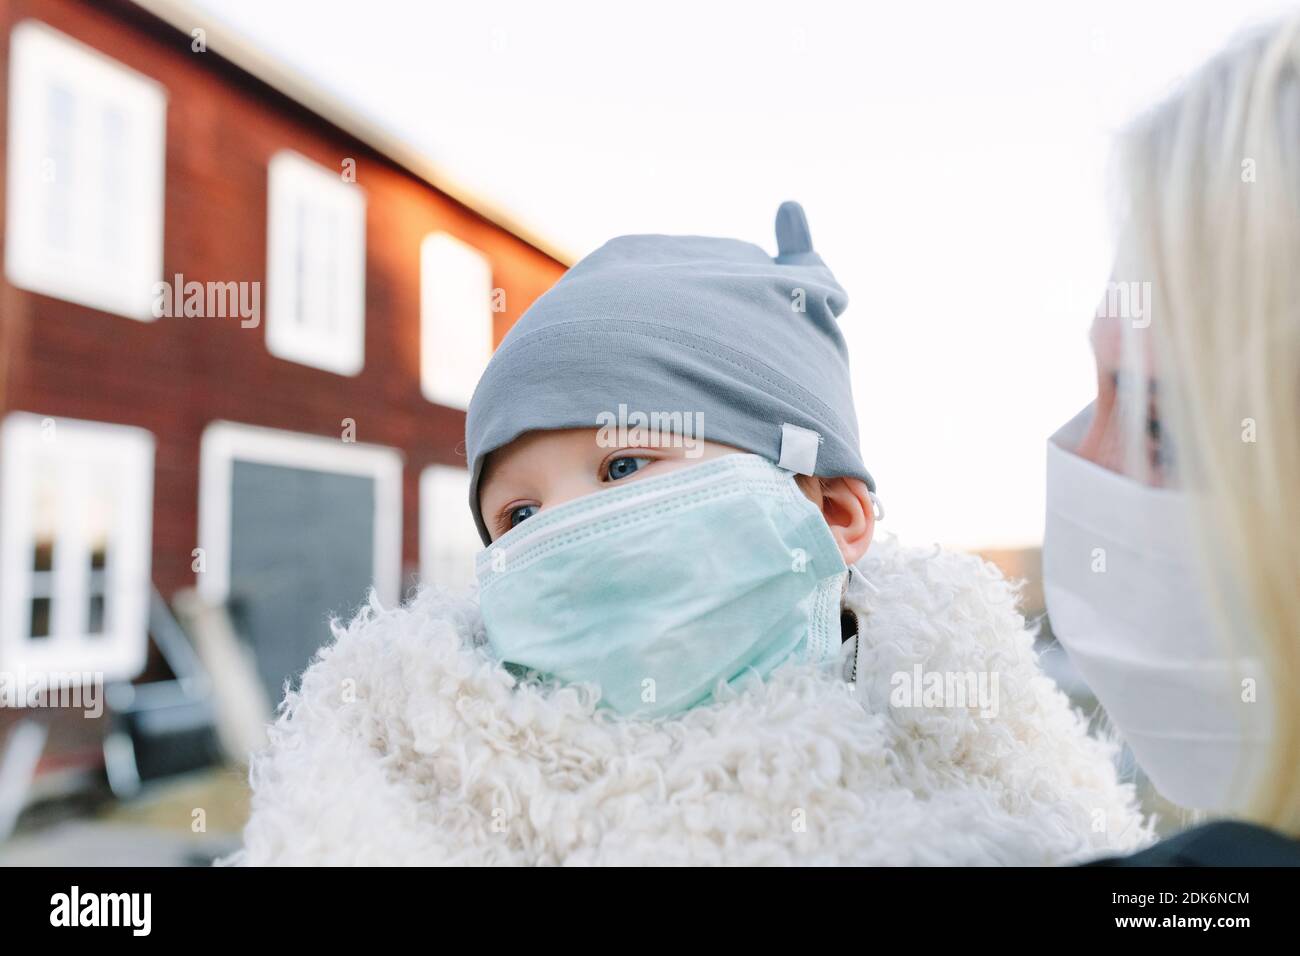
1210,197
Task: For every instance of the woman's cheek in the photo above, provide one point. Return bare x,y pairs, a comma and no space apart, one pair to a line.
1098,444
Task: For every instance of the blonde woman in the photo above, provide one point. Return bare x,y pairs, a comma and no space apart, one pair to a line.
1172,555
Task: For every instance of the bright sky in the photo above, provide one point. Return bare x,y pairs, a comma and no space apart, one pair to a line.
951,158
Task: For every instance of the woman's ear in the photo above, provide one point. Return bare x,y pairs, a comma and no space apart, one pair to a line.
845,503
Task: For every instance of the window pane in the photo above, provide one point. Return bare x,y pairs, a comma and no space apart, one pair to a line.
40,621
316,266
95,619
43,555
58,175
301,273
85,154
449,539
116,145
78,598
455,319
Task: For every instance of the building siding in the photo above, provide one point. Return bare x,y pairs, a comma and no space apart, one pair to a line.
175,375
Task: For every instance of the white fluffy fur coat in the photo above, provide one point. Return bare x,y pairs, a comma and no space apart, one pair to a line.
407,744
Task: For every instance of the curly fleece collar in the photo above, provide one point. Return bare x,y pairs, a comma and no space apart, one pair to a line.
407,744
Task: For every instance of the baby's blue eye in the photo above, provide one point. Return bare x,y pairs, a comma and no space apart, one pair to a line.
521,513
622,467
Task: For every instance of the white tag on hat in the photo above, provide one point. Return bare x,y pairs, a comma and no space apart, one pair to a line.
799,448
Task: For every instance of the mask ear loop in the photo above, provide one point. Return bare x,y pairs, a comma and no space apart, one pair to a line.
856,576
878,511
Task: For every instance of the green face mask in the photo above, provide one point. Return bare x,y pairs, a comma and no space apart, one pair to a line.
660,590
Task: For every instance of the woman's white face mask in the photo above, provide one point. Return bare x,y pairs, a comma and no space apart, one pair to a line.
1125,597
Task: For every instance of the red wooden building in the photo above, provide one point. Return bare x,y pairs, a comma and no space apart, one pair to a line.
238,329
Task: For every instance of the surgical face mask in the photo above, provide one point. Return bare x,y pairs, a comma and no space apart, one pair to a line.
1125,597
660,589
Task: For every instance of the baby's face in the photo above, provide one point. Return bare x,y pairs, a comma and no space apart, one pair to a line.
547,468
543,469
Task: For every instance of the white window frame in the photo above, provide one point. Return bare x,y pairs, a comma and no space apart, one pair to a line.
455,318
444,510
109,212
224,443
75,452
295,184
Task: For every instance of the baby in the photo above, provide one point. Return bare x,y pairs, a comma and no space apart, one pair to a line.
665,466
683,649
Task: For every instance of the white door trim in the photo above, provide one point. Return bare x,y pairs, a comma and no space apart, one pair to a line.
225,442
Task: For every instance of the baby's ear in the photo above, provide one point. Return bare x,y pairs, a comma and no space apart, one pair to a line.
846,505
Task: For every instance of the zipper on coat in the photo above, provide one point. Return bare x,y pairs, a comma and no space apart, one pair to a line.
857,643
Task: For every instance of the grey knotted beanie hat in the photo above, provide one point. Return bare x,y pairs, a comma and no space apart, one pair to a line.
683,324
